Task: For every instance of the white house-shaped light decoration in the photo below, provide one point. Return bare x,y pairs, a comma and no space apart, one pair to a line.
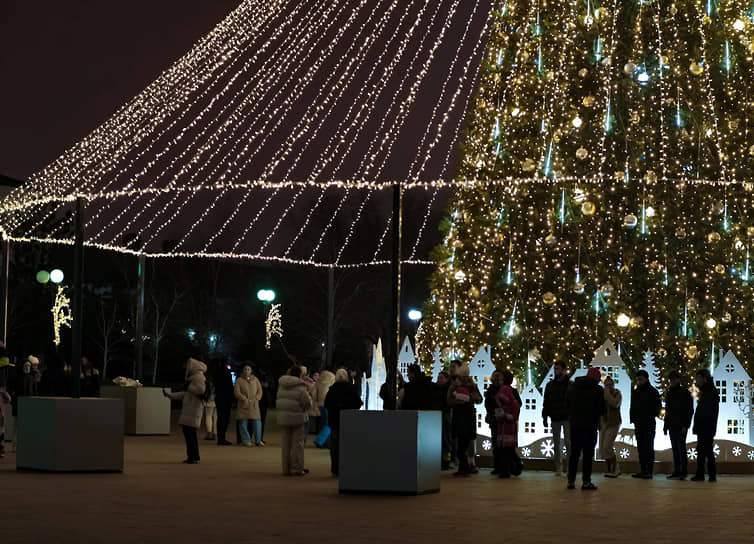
405,358
530,426
437,365
377,376
735,419
481,368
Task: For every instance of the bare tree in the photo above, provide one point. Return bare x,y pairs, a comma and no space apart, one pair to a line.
161,318
110,334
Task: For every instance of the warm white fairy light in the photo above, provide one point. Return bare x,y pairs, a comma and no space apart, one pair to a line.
61,313
273,324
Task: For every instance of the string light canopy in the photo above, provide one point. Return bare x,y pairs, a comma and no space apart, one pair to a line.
277,138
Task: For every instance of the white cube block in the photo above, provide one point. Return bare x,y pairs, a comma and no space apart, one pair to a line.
70,435
390,452
147,410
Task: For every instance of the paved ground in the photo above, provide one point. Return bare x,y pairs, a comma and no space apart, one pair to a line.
237,495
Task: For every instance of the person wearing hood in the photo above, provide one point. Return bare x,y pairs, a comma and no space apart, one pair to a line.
646,405
248,392
192,407
679,410
609,427
586,405
554,408
293,405
343,395
417,392
463,395
705,425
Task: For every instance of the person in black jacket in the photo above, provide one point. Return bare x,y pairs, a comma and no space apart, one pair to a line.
223,382
490,405
440,403
417,392
554,408
705,425
646,405
679,409
585,402
342,395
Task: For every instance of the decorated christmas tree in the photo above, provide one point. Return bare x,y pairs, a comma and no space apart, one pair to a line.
607,165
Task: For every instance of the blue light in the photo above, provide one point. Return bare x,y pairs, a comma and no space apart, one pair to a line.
643,78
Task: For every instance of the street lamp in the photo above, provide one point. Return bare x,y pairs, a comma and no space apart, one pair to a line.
56,276
414,315
266,295
43,276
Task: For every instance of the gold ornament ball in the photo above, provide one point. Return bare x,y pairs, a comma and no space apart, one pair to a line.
650,176
733,124
583,73
692,351
673,10
706,20
662,352
474,292
713,237
620,175
635,118
630,221
750,231
458,244
582,153
589,101
588,208
549,298
680,232
578,288
629,68
751,150
720,269
696,69
551,240
528,165
717,207
655,266
726,317
692,303
550,75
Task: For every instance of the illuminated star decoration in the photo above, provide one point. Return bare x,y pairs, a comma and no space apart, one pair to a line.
61,313
274,323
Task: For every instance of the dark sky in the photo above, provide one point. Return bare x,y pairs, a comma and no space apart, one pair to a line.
67,66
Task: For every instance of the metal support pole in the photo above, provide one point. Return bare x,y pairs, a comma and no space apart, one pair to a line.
395,328
6,277
139,346
330,315
78,300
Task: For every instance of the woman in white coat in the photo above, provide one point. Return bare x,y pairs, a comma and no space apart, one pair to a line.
192,407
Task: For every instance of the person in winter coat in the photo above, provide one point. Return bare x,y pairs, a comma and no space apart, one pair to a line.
679,409
554,408
417,392
311,387
248,391
192,407
293,405
325,380
705,425
343,395
389,401
224,395
440,403
646,405
586,405
609,427
90,379
463,394
490,405
506,416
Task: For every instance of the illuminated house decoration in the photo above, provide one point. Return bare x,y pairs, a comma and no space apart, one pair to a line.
405,358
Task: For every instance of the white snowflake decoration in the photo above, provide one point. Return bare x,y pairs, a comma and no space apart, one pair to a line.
736,451
624,453
526,452
486,445
547,448
750,455
692,454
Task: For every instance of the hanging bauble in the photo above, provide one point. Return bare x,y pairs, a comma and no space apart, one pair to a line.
588,208
692,303
680,232
600,13
706,20
588,21
717,207
458,244
589,101
620,175
629,68
673,9
607,290
460,275
550,75
582,153
637,321
549,298
692,351
630,221
579,195
751,150
696,68
474,292
534,354
635,117
525,54
720,268
655,266
662,352
528,165
578,288
583,73
733,124
713,237
551,240
650,176
739,245
726,317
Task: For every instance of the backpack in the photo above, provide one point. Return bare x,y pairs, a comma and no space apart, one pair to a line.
209,392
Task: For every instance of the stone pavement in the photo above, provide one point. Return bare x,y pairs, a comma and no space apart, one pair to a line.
237,495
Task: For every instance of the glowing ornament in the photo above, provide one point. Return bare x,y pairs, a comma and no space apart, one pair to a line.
706,20
629,68
710,323
588,208
515,112
607,290
623,320
643,77
692,351
717,207
650,176
551,240
720,269
620,175
578,288
630,221
550,75
460,276
680,232
582,153
692,303
726,318
751,150
696,69
528,165
713,237
589,101
635,117
579,195
738,25
474,292
650,211
588,21
750,231
662,352
583,73
577,122
549,298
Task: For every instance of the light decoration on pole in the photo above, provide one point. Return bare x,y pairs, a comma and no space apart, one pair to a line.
61,313
273,324
266,295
